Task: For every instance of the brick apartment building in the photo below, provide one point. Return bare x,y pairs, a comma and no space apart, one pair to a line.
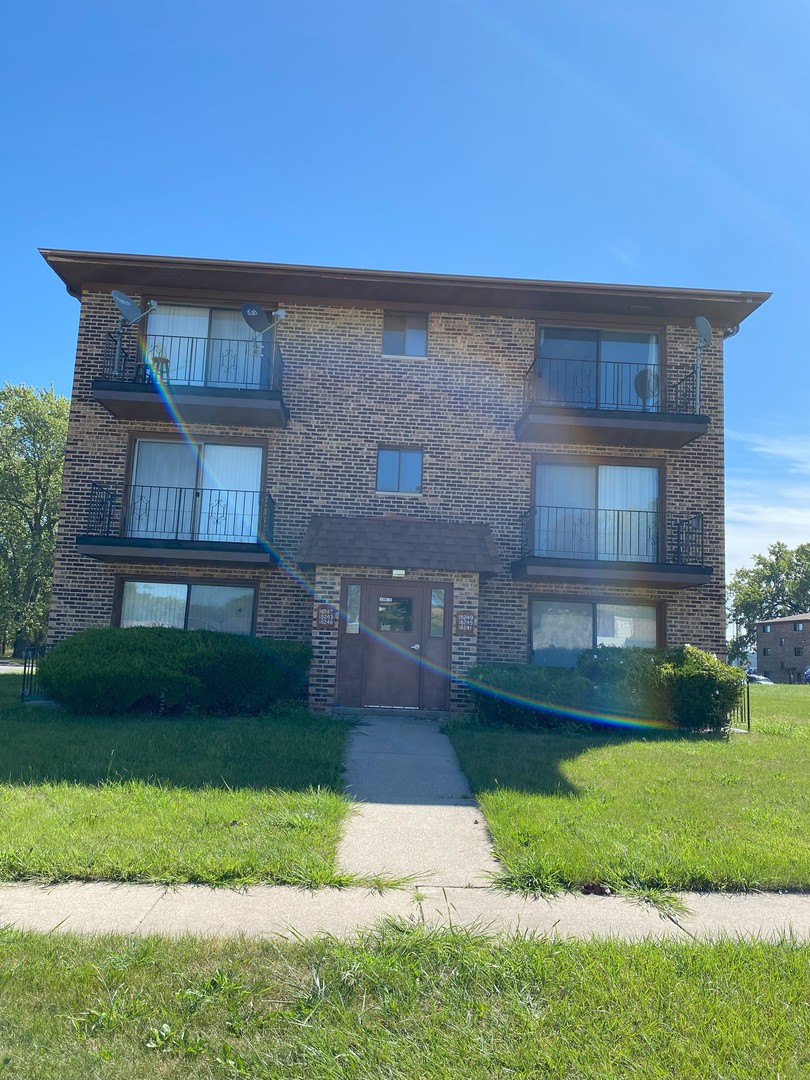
783,648
440,470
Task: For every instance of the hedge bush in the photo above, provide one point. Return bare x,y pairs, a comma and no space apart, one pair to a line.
161,670
682,686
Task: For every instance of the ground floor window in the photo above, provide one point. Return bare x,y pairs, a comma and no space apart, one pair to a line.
561,629
227,608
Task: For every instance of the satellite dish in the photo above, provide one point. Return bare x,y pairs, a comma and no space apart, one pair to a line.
704,329
255,317
130,311
646,384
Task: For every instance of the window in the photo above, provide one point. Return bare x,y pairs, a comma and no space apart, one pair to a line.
766,629
781,641
399,470
199,491
598,369
227,608
404,334
798,651
561,629
766,651
209,347
798,626
596,512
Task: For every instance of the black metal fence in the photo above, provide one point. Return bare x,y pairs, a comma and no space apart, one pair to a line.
565,532
31,658
173,513
608,385
218,363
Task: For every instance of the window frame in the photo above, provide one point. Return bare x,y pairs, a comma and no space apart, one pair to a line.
381,447
600,326
595,460
162,579
406,314
659,608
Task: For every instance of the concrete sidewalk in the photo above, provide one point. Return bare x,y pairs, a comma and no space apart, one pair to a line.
268,911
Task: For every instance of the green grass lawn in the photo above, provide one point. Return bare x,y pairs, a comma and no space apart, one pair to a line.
399,1004
649,813
217,801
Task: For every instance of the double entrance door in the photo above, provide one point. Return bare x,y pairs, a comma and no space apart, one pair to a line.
394,647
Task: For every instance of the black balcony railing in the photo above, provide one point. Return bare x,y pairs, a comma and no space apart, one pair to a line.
565,532
608,385
219,363
147,511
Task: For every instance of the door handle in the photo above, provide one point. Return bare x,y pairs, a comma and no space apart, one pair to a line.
416,647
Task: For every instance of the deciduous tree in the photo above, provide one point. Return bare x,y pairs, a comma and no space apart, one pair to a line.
777,585
33,433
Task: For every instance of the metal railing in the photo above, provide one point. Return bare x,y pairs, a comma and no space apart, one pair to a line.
30,658
608,385
565,532
148,511
219,363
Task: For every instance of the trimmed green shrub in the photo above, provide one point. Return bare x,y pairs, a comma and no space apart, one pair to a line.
682,686
526,695
158,669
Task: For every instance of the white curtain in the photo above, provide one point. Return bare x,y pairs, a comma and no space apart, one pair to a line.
153,603
230,502
565,498
180,333
623,357
560,631
234,352
628,513
626,625
161,500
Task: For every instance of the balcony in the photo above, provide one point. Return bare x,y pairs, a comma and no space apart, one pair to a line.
201,380
588,546
598,403
141,523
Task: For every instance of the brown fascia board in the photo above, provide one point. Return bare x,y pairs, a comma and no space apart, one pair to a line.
285,283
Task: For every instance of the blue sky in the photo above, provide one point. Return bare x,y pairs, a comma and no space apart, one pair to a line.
623,142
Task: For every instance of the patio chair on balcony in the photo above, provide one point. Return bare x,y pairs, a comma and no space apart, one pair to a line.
154,370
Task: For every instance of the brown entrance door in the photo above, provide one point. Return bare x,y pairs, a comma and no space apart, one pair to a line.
394,644
393,621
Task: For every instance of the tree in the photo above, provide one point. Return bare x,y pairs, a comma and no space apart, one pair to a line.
777,585
33,434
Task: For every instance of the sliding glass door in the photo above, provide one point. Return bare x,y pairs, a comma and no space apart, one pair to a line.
596,512
208,347
204,491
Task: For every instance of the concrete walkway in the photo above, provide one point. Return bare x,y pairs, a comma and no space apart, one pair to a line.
418,819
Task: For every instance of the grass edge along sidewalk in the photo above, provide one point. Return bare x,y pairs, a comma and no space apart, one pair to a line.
401,1001
219,801
647,813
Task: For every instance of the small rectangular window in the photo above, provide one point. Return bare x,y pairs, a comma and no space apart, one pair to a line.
798,626
395,614
798,651
766,651
353,609
437,612
766,629
399,470
404,334
781,641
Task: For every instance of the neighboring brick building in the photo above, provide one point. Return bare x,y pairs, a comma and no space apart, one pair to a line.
783,648
444,470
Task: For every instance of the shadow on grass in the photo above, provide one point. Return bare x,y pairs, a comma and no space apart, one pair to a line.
290,750
532,760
